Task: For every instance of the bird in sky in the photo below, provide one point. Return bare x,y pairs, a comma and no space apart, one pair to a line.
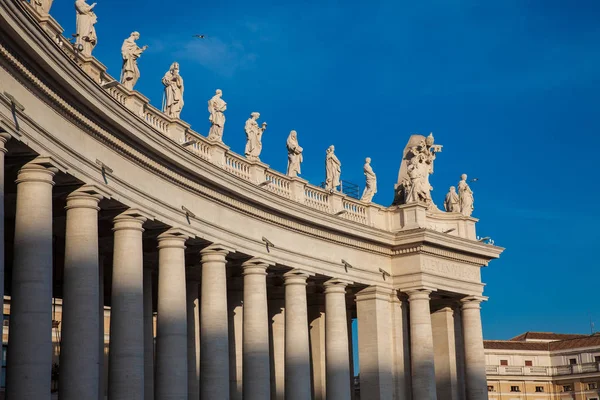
200,36
474,180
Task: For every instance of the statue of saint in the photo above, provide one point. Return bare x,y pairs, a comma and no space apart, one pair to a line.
294,155
42,6
451,203
254,137
173,99
216,107
86,33
333,170
371,182
130,51
417,164
465,196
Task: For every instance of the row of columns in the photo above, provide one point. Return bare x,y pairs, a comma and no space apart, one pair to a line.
381,334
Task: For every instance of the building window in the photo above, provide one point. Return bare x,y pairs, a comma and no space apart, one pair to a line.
503,362
592,386
515,389
491,389
528,363
567,388
539,389
572,361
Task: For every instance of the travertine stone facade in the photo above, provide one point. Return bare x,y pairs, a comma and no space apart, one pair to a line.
223,278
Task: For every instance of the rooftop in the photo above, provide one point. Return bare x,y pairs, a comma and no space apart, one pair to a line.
544,341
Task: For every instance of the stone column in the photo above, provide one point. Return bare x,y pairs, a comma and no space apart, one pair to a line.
421,343
148,336
277,344
476,381
126,355
459,344
374,342
171,324
444,348
256,362
235,300
316,317
79,355
336,341
193,340
4,137
297,349
214,342
30,341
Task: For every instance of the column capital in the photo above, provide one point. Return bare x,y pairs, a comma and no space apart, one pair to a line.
422,293
256,266
336,285
375,293
216,249
173,237
131,219
33,172
472,302
4,138
296,277
84,197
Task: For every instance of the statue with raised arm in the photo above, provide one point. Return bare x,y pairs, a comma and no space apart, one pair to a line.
42,6
254,137
130,51
465,196
451,203
413,178
333,170
216,108
294,154
371,182
173,98
86,38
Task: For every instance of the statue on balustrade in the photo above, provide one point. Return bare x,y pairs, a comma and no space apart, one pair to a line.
254,137
465,195
86,32
294,154
413,178
42,6
371,182
130,51
173,98
333,170
216,108
451,203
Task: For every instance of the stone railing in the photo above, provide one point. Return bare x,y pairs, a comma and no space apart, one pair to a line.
156,119
316,197
199,145
237,165
279,183
355,210
543,371
118,93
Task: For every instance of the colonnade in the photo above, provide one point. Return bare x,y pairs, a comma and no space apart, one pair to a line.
396,345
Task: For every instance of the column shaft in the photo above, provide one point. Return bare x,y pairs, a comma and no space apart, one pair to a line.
421,340
336,341
80,357
297,349
30,344
277,347
148,336
400,350
256,362
4,137
126,355
374,342
317,350
235,300
214,342
171,326
476,381
445,354
193,340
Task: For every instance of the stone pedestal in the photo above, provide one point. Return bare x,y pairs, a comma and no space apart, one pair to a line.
126,356
79,355
476,381
30,355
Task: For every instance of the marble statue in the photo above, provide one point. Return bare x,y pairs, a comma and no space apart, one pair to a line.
130,51
173,98
42,6
413,178
254,137
216,108
451,203
294,154
333,170
371,182
465,196
86,33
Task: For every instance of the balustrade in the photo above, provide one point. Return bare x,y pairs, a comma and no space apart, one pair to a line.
280,184
237,165
316,198
156,119
355,211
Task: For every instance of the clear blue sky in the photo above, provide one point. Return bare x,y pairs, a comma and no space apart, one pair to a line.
510,88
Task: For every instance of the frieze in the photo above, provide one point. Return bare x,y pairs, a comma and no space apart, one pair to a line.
450,269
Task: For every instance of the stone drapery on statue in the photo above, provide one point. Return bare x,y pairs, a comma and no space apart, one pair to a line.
370,182
216,108
294,155
465,196
254,137
42,6
413,178
130,51
86,32
333,169
173,99
451,202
